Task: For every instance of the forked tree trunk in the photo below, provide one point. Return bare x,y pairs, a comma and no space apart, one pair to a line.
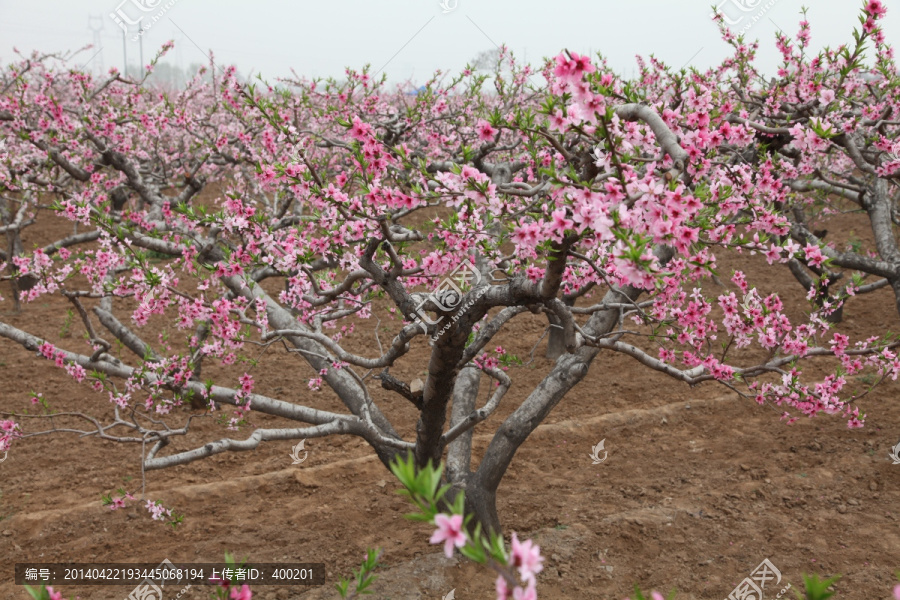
480,501
482,504
556,341
569,370
13,248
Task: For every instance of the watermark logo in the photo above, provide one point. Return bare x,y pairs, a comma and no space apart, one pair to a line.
133,12
297,157
895,454
151,589
295,455
451,595
6,454
744,13
752,588
449,5
448,297
595,452
146,590
122,17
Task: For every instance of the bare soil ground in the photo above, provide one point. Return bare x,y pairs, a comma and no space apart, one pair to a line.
699,486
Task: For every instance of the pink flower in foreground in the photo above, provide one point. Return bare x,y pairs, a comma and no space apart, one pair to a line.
243,594
526,556
359,129
54,595
9,430
875,8
528,235
246,383
529,593
814,255
485,132
897,592
502,588
560,224
449,531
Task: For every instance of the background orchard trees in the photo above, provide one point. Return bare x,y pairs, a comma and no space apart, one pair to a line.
597,203
829,128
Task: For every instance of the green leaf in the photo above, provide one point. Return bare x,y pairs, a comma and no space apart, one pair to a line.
817,589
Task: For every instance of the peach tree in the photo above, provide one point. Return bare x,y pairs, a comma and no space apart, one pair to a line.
290,215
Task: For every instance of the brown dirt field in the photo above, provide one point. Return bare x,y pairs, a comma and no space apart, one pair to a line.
699,487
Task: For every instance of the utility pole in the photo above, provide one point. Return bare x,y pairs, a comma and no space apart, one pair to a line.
125,50
182,76
141,40
98,39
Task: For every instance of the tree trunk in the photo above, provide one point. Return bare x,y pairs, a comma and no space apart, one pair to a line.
835,316
556,342
895,285
481,503
569,370
459,451
13,249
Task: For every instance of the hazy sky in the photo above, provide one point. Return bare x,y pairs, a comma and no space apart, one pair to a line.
412,38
